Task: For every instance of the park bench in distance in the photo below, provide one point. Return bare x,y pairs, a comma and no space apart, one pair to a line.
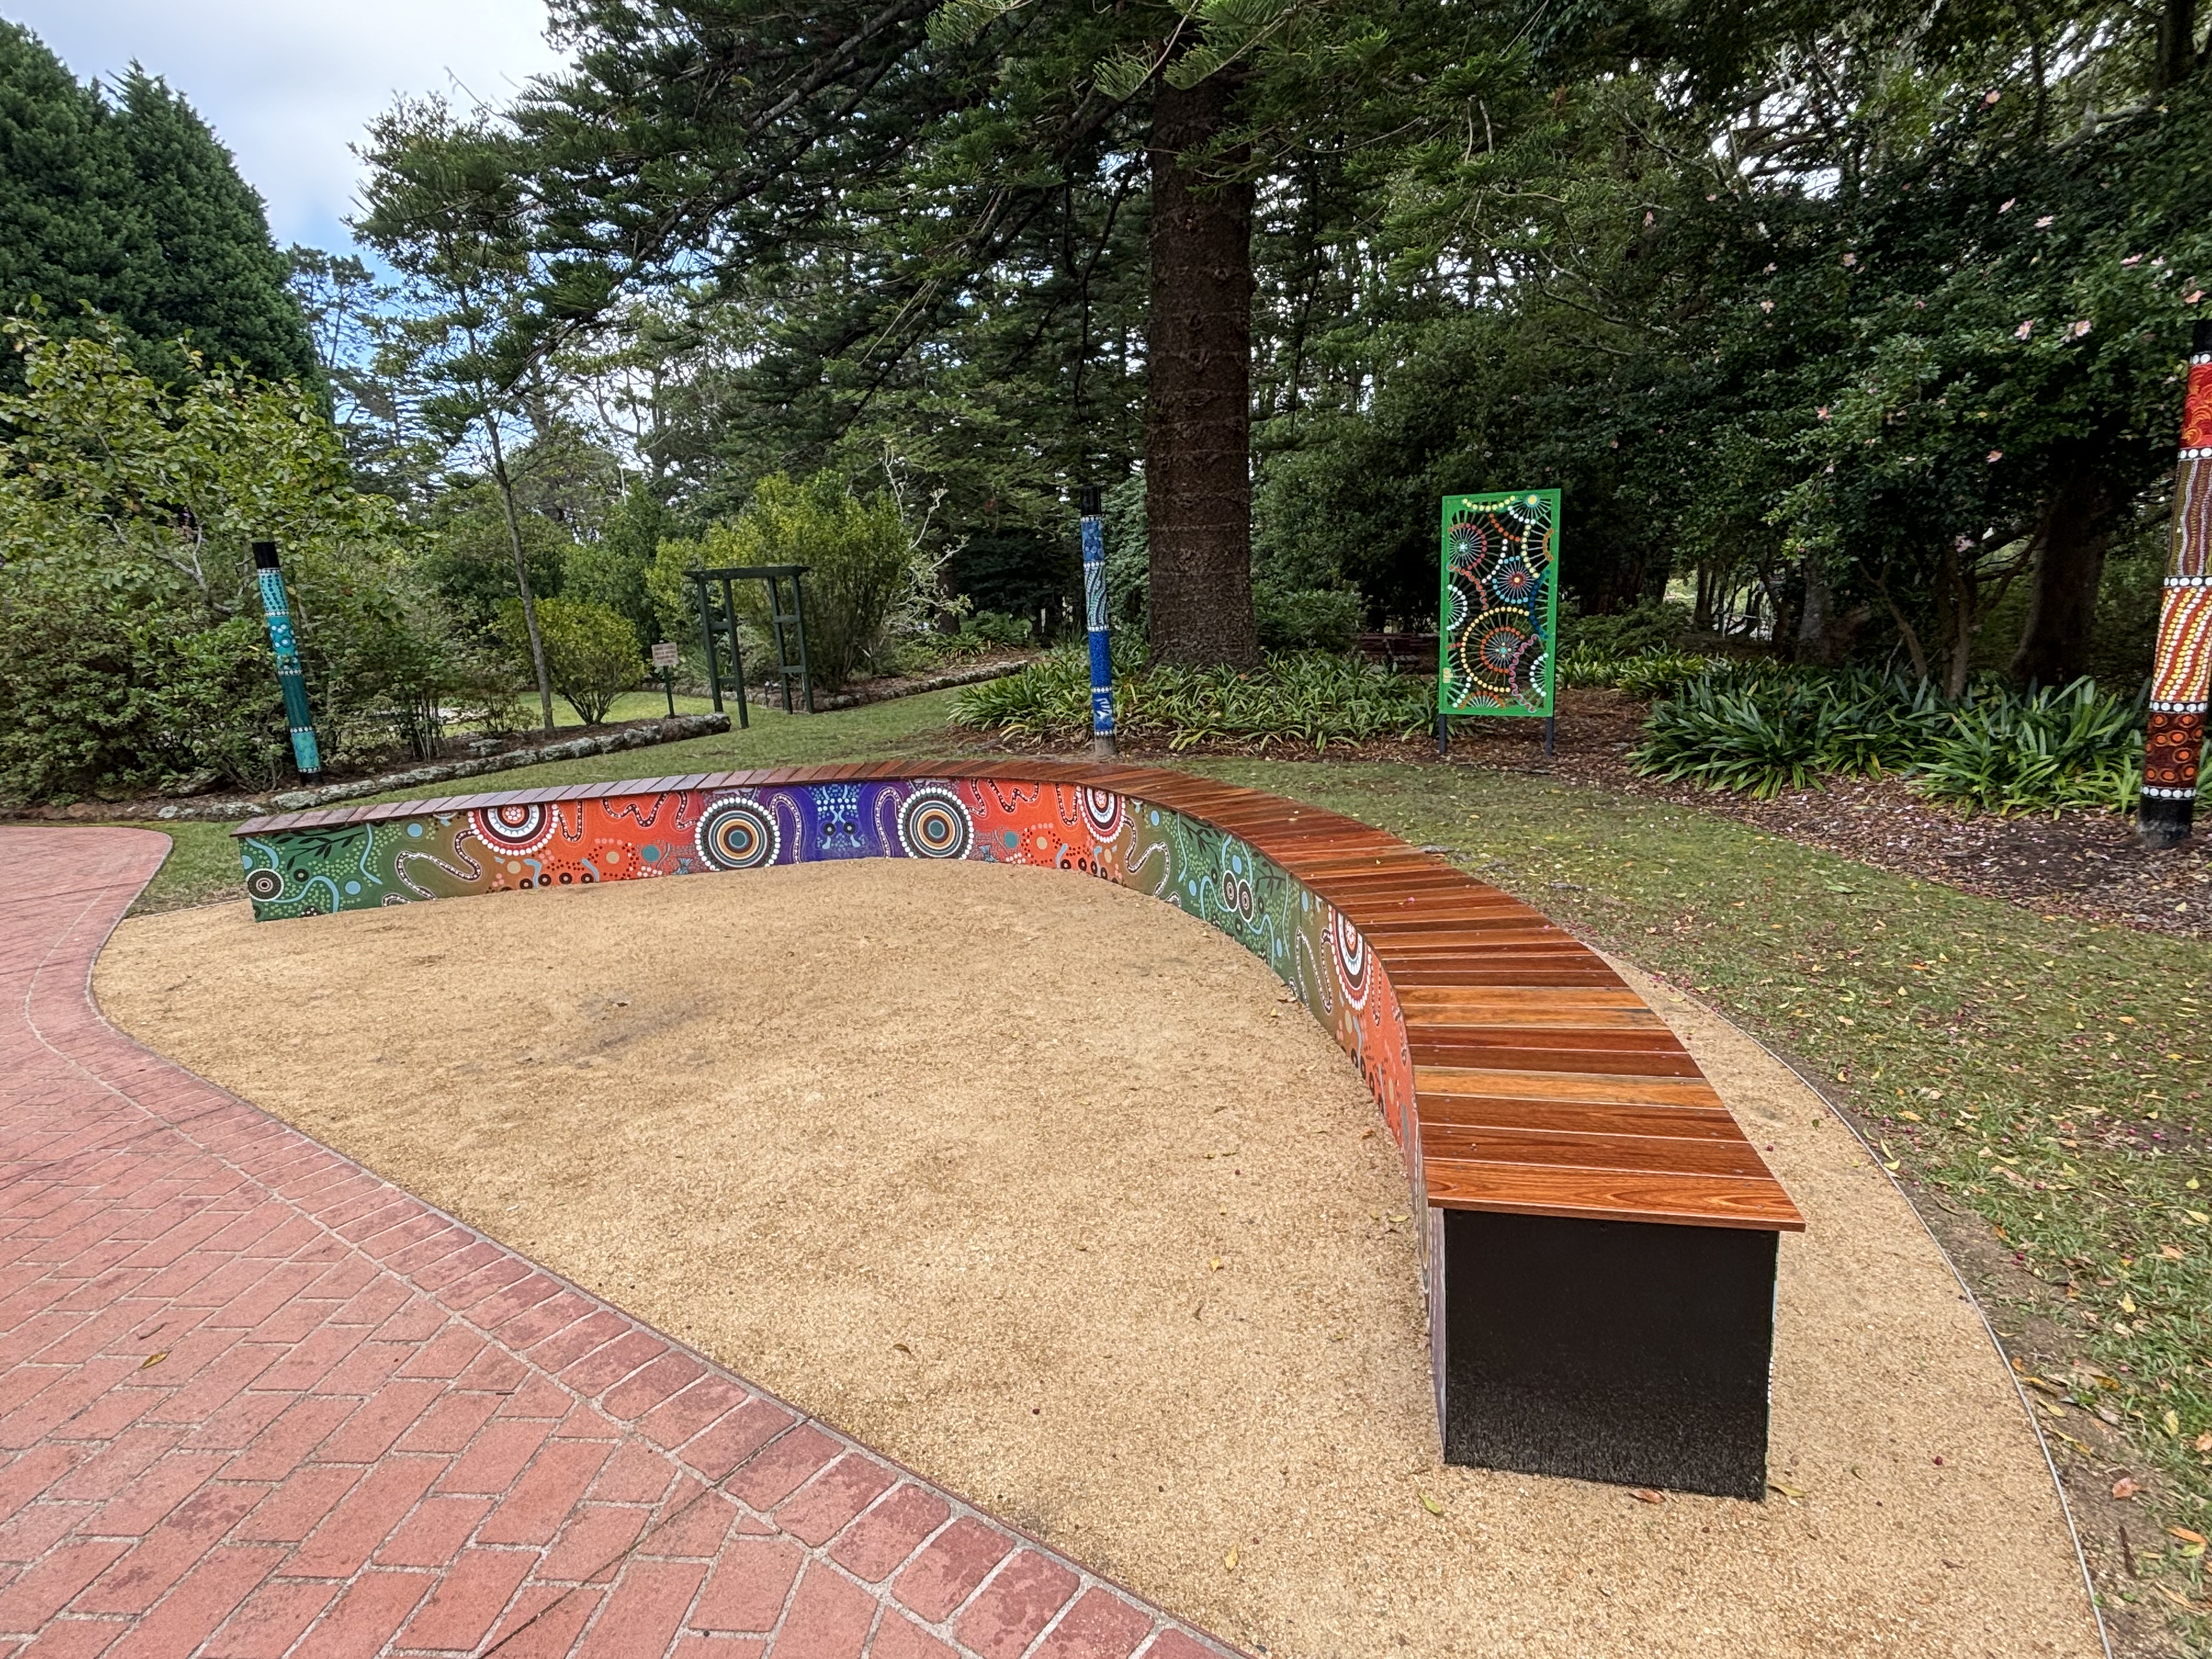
1599,1238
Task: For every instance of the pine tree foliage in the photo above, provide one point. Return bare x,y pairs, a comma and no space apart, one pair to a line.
128,206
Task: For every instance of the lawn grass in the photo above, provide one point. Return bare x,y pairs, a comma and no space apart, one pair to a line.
203,867
629,706
2047,1074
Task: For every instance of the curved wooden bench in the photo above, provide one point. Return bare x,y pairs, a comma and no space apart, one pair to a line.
1599,1239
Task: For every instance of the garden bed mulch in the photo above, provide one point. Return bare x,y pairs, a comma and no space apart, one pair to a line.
2081,863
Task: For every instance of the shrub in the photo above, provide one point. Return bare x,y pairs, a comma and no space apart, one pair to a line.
1760,729
1763,735
590,652
1313,698
997,629
980,635
1650,627
1661,673
866,577
1307,618
132,651
2069,746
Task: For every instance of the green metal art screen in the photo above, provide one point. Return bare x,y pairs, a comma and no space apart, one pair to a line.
1500,604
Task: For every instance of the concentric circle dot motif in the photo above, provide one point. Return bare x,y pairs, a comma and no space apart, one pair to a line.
265,885
1351,952
1103,813
513,828
934,824
737,834
1495,607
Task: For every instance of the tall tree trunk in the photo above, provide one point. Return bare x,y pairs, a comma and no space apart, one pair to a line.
1824,634
1198,426
2071,543
506,485
1702,618
1962,608
2176,57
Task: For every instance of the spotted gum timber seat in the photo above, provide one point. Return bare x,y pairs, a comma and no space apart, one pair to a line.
1599,1239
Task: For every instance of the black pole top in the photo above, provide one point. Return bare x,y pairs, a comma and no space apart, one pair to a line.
1090,494
2201,342
265,555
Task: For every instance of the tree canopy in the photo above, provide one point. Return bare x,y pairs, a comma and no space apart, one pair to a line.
128,206
1872,320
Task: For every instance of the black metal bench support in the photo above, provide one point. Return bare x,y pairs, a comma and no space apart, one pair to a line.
1626,1351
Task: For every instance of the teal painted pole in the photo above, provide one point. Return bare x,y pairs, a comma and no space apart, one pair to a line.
278,609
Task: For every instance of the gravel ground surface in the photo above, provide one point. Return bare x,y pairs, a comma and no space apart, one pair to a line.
1046,1191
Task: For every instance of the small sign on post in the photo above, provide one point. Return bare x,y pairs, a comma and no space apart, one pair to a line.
664,660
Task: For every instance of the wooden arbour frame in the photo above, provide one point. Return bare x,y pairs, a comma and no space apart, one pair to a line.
1599,1239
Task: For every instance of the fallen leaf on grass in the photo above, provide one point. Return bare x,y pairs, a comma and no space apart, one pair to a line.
153,1359
1645,1495
2125,1487
1428,1503
2172,1421
2178,1599
2061,1434
2202,1443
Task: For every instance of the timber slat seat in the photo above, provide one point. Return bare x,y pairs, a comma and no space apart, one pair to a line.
1599,1235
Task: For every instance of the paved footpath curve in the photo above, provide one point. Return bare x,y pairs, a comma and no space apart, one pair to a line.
255,1401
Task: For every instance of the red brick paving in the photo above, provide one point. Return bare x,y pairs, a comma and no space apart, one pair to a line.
255,1401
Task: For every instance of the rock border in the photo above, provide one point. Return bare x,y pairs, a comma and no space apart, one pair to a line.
643,734
767,695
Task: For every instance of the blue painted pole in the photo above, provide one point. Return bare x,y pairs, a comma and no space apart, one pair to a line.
278,609
1095,610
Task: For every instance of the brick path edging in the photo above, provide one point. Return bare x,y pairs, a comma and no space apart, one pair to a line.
255,1401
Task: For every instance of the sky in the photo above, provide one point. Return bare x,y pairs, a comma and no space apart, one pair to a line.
288,85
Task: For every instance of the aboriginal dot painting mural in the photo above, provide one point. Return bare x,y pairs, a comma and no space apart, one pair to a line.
373,857
1500,603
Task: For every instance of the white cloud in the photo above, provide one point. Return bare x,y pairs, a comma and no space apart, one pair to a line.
288,85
